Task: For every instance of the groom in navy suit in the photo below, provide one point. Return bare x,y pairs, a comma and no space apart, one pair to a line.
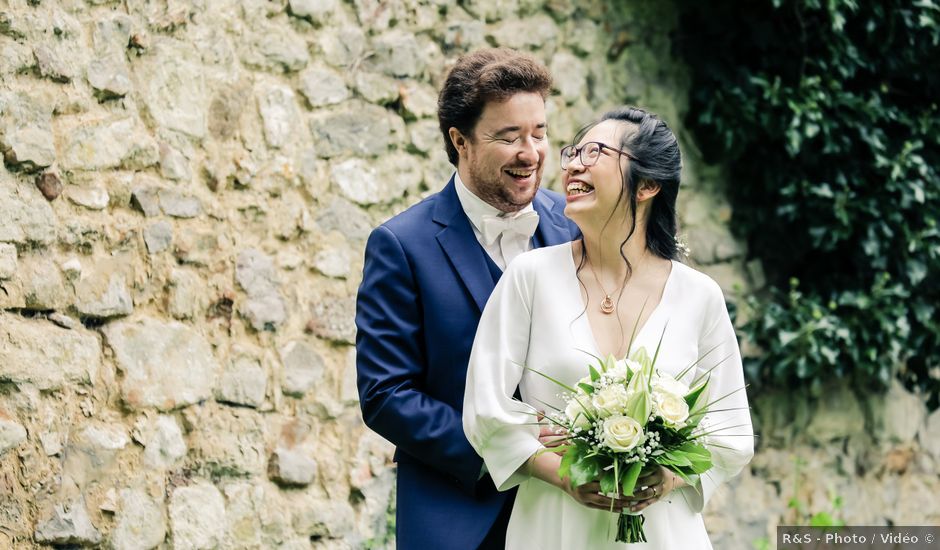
427,276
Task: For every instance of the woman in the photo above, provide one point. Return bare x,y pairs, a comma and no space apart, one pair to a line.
556,306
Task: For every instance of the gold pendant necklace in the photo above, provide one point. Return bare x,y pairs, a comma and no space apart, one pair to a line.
607,304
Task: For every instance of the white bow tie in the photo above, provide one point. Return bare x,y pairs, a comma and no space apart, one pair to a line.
524,224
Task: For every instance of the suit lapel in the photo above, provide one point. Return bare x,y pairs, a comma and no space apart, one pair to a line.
553,227
461,246
464,251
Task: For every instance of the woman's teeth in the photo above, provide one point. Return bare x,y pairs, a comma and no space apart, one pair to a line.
578,188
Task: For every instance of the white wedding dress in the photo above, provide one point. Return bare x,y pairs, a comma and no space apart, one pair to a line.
536,318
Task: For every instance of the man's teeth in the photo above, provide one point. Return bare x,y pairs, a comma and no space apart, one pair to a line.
520,173
579,188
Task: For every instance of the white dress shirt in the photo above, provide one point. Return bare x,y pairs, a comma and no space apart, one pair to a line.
509,244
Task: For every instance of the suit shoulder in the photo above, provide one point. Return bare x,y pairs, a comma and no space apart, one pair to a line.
554,196
411,220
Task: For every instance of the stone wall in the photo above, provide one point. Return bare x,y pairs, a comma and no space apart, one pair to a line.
185,192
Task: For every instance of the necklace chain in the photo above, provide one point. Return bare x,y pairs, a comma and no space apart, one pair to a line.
607,304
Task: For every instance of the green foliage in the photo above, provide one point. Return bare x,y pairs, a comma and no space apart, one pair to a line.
826,114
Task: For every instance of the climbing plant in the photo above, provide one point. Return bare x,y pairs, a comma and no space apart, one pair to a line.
826,115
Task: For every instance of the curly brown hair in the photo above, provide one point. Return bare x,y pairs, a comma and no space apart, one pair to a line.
493,74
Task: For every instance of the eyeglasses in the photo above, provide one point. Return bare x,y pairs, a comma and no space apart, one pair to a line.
588,153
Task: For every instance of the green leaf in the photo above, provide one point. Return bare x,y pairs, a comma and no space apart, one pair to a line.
608,482
629,478
568,459
584,470
639,406
588,389
595,376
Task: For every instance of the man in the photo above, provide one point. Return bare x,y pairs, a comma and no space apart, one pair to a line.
427,276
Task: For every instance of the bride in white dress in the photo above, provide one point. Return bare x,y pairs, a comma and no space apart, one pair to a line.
555,307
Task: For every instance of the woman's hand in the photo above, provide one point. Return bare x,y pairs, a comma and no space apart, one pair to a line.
590,495
653,487
553,436
544,466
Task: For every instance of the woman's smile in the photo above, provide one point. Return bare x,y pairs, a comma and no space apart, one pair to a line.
577,189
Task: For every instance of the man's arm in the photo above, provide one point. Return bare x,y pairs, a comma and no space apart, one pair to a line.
390,366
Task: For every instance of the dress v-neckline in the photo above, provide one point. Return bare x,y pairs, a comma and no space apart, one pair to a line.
576,288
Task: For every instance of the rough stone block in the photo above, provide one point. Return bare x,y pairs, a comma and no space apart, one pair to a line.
360,129
173,165
275,48
333,319
244,382
103,295
164,444
158,236
117,143
109,76
25,216
264,307
165,365
36,352
174,88
572,81
315,10
292,466
279,114
302,368
197,517
139,524
333,261
227,441
25,132
68,524
7,261
12,433
343,45
92,198
370,183
398,54
42,283
188,294
179,205
323,86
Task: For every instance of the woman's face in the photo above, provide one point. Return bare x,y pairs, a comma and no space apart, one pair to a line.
593,192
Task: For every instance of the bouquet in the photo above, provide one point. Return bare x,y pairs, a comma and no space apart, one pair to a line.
626,417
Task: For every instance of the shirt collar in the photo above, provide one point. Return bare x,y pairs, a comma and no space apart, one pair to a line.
475,207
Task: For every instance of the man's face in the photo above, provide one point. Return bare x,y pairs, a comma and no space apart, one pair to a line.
502,161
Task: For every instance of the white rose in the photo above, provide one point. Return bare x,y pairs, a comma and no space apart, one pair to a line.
610,400
618,371
577,415
671,408
622,433
667,384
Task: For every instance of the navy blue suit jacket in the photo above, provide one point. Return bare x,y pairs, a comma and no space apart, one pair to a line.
425,283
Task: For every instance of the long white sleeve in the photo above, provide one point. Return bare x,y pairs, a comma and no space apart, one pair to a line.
500,428
732,441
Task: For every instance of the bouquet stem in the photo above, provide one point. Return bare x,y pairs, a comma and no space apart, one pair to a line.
630,528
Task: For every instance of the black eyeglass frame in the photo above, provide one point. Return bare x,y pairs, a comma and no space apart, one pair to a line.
565,160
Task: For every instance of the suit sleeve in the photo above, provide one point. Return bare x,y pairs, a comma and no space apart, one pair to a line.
731,442
390,366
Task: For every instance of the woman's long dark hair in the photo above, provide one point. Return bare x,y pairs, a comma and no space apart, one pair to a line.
654,156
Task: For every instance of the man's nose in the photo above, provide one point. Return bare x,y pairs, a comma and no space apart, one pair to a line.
529,150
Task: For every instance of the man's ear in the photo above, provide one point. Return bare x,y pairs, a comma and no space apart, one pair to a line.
458,140
648,189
